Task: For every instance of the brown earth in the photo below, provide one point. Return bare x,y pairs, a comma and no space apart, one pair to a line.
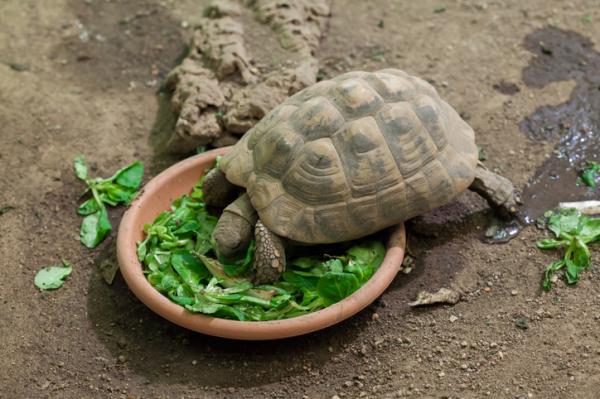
81,77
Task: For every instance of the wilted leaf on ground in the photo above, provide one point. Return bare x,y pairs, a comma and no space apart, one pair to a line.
52,277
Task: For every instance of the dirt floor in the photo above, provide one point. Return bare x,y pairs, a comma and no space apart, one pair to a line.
82,77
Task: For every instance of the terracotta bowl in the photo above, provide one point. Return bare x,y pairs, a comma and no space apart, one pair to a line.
177,180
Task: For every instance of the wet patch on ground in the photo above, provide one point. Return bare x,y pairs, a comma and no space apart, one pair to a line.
562,55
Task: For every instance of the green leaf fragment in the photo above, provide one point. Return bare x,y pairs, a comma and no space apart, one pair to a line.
94,228
481,153
52,277
440,8
549,243
5,209
81,170
88,207
189,268
589,175
130,176
590,230
335,286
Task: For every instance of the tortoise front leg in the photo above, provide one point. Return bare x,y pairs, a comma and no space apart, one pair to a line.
233,231
497,190
269,255
217,190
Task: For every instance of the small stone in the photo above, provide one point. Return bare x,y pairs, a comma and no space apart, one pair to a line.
493,345
122,343
194,362
122,359
487,289
347,384
185,24
375,316
463,366
514,292
335,397
453,319
441,374
464,344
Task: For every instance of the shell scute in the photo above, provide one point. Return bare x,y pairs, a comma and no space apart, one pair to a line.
392,87
317,118
277,148
410,146
368,163
316,177
356,98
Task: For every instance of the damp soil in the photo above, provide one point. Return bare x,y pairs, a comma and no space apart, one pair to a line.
561,55
86,81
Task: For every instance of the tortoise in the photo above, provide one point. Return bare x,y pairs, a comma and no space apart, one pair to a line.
342,159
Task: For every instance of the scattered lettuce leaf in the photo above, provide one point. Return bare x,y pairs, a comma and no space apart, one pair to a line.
52,277
573,232
118,189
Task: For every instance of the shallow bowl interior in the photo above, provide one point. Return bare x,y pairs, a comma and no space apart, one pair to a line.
179,179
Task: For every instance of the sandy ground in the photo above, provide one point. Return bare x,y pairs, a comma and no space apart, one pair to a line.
81,77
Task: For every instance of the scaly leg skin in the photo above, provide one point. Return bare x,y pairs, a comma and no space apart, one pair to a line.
234,230
218,191
497,190
269,255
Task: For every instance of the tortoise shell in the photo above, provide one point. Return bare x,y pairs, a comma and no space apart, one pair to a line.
350,156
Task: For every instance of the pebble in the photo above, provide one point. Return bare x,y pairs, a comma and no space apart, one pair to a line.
335,397
375,316
185,24
514,292
464,344
441,374
122,359
194,362
453,319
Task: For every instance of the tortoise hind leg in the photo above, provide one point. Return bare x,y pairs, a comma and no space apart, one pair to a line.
497,190
269,255
217,190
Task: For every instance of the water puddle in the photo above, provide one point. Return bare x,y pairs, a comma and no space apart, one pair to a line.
562,55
